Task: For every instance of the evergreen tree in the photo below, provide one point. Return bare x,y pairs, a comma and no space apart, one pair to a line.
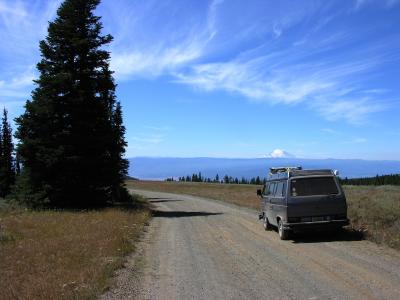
71,133
7,170
217,178
1,161
17,166
226,179
118,165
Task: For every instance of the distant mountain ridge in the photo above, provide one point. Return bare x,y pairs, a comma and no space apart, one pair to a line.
159,168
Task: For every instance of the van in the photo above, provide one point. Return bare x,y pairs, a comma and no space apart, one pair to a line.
295,200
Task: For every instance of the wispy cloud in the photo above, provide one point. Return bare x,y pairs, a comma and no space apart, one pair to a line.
328,87
354,110
329,130
360,140
18,86
167,47
356,140
156,61
388,3
151,135
252,50
158,128
22,25
149,139
267,73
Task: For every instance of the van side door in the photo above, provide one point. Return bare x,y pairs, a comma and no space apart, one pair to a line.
268,203
265,197
278,201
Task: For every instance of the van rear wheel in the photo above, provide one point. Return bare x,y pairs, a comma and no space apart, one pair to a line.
283,234
266,224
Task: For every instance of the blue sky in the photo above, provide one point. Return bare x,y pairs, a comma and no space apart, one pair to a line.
317,79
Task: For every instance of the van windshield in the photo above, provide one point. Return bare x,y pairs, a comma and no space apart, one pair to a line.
313,186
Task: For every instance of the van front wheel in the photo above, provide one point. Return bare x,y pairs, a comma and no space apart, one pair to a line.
283,234
266,224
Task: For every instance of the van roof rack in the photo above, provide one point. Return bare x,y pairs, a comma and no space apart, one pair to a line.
276,170
288,172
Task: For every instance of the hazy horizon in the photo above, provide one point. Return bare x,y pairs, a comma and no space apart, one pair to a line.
165,167
261,157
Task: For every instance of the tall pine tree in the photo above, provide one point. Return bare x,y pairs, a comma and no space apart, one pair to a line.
7,171
71,134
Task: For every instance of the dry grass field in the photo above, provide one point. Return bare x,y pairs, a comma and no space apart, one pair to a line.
239,194
64,254
376,211
373,210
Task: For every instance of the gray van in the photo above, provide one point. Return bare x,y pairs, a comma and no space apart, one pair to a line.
295,200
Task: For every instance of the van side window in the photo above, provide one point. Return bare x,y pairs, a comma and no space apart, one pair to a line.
280,190
284,189
265,189
271,190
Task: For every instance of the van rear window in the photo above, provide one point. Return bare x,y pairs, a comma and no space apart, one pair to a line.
313,186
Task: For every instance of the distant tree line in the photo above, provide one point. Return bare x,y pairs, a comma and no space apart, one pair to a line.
224,180
8,165
392,179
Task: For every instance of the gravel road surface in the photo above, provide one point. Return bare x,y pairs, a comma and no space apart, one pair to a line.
196,248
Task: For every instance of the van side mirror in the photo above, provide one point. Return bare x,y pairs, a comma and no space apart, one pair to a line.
259,193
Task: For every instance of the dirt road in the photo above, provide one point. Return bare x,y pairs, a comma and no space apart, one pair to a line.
202,249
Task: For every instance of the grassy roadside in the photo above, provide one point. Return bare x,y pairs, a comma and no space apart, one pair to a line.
373,210
376,211
64,254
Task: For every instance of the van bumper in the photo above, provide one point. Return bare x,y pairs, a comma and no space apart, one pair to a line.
332,224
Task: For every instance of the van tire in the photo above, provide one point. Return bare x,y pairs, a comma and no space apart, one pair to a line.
266,224
283,234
